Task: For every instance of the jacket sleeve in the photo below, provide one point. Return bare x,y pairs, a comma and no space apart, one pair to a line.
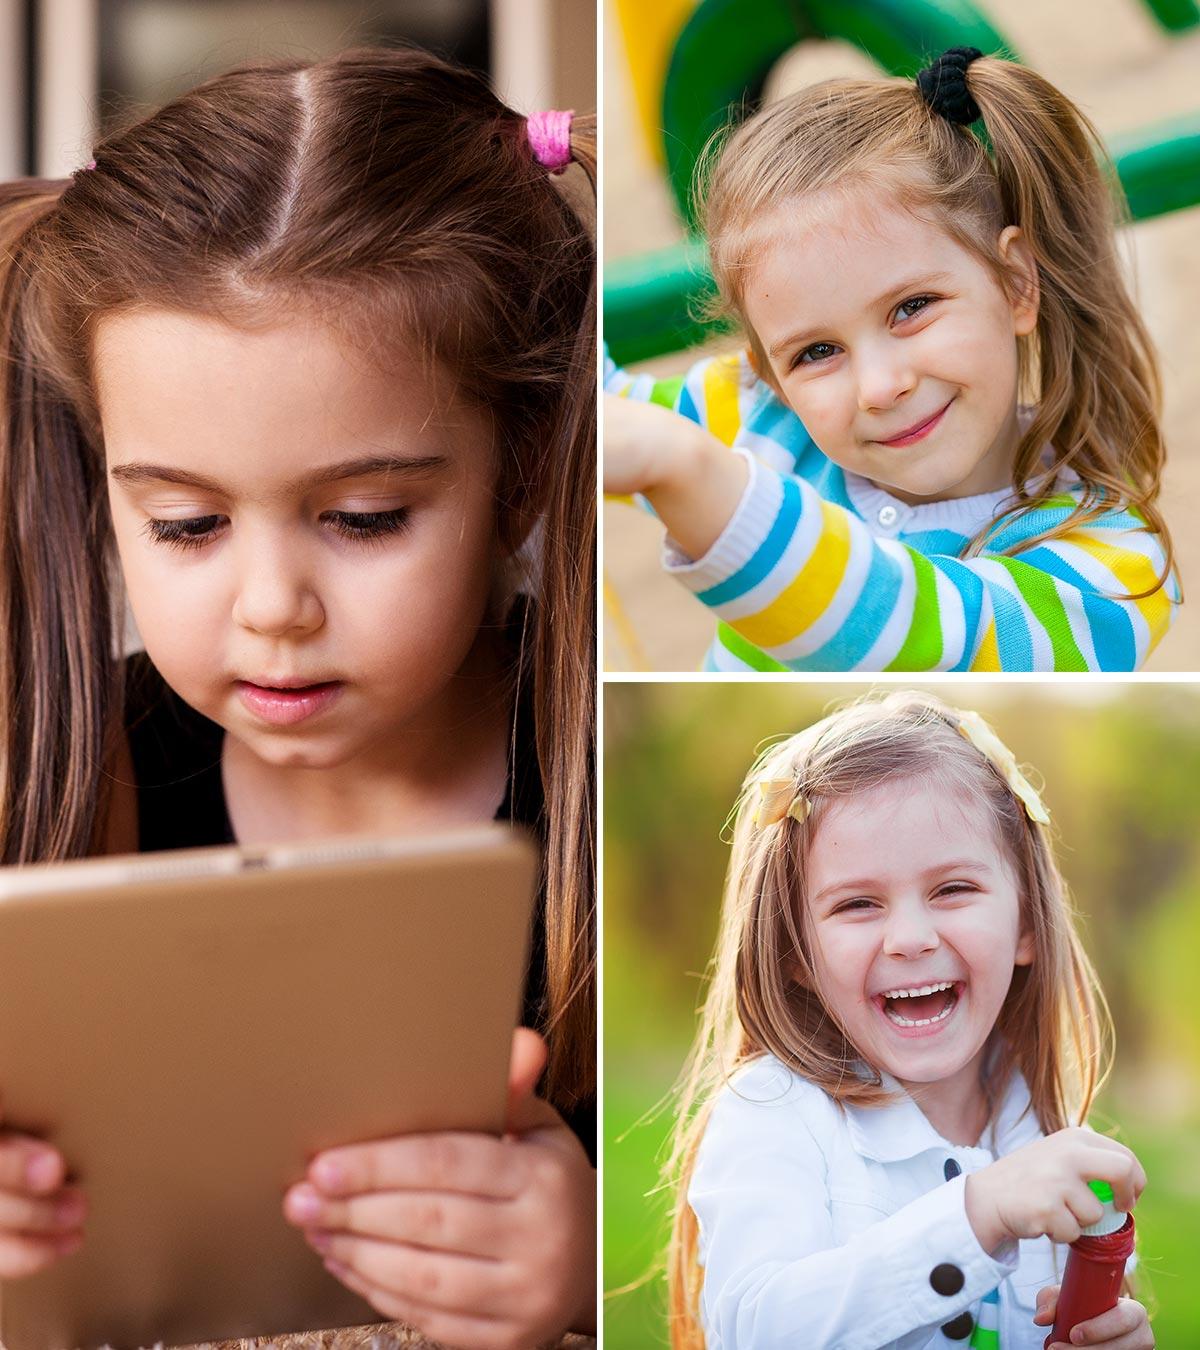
773,1275
800,583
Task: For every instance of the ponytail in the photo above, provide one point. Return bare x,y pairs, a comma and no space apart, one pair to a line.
1091,365
58,670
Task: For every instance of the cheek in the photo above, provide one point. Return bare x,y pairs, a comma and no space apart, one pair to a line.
825,404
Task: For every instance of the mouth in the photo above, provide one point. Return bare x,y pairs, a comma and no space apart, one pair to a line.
918,1014
917,432
289,701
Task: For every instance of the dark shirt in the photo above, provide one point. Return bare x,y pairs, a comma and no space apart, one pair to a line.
181,804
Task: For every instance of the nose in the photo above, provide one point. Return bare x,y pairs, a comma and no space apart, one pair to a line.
909,931
884,374
276,596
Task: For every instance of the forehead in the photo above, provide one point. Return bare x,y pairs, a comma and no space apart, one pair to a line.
830,256
204,395
899,829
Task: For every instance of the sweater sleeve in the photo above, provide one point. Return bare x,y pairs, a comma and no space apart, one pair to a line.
801,584
715,392
773,1273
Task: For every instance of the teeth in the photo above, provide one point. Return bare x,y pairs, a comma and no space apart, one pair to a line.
916,993
924,1021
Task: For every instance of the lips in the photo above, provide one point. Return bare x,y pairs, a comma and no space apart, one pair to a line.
289,701
918,429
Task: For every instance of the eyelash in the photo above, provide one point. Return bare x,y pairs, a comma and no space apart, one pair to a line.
904,304
950,888
364,527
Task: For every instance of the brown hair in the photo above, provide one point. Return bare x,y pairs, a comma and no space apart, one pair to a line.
1089,366
394,195
1053,1026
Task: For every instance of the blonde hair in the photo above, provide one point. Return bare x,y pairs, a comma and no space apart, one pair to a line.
1089,367
1054,1024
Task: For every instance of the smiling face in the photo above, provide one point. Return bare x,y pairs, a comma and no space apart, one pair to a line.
907,888
308,542
894,345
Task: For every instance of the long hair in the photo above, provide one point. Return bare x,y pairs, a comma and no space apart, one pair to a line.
1089,367
1053,1026
395,196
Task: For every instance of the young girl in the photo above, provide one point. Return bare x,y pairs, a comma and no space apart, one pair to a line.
946,450
308,355
882,1132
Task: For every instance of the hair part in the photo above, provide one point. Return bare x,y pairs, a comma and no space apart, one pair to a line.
764,994
1089,367
391,194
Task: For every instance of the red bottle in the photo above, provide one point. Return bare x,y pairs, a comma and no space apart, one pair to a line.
1092,1281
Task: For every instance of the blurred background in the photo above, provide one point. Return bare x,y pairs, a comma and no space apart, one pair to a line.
1114,58
1120,764
67,67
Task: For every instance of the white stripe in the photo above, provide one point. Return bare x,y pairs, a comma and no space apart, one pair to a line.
997,575
952,612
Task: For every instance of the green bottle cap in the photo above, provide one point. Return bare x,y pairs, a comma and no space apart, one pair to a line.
1112,1218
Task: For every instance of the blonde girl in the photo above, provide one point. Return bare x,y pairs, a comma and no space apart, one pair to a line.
303,365
882,1138
942,448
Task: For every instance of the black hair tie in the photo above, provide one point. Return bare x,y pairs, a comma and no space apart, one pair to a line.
943,85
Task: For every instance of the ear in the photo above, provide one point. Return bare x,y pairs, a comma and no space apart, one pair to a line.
1018,257
1025,948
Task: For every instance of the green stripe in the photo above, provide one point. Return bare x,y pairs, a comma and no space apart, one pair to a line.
666,392
984,1338
1039,593
744,650
923,646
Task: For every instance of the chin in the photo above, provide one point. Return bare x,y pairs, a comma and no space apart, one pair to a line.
297,753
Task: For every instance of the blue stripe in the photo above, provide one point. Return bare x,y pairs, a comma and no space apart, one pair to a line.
1012,630
970,588
768,553
866,619
687,405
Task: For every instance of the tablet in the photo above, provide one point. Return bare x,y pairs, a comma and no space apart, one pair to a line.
190,1028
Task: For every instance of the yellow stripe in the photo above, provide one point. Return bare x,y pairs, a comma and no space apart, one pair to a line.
808,596
1134,572
721,409
988,655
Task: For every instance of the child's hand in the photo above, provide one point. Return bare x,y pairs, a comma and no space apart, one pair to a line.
40,1217
1125,1327
1043,1187
478,1242
692,479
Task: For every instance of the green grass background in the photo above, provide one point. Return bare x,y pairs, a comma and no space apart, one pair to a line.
1121,768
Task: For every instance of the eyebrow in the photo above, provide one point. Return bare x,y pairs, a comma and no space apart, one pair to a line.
838,889
408,466
889,297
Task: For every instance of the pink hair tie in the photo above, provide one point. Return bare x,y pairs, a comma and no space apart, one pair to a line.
550,135
91,164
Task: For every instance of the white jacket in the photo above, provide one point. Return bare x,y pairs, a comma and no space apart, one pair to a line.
822,1229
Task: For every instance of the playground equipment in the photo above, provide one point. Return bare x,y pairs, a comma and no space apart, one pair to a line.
720,63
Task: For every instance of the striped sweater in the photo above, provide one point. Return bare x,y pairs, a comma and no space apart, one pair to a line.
818,569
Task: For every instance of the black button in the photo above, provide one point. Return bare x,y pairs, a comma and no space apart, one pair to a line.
947,1279
960,1328
951,1169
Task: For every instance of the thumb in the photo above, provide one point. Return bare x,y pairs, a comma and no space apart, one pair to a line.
1047,1303
525,1066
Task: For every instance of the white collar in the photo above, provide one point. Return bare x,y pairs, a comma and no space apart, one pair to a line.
894,1133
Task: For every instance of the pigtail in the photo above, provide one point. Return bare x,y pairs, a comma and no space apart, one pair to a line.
1091,366
564,695
58,668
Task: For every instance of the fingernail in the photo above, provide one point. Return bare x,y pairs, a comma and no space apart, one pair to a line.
41,1171
328,1174
319,1239
1076,1336
303,1204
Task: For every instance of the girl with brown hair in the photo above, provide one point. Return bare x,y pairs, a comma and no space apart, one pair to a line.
303,365
882,1135
942,449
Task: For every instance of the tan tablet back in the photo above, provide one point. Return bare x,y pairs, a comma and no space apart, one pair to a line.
189,1028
